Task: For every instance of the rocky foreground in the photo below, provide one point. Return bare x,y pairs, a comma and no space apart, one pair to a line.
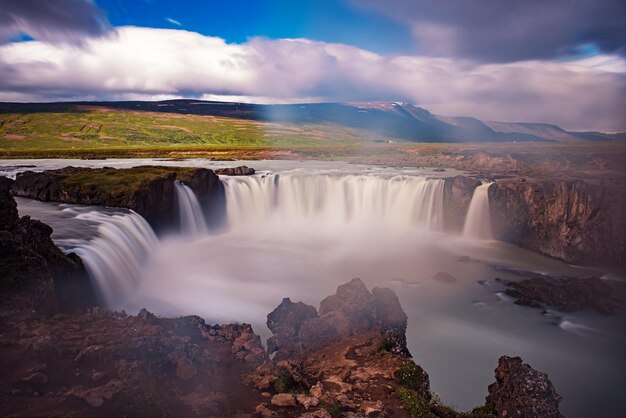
348,358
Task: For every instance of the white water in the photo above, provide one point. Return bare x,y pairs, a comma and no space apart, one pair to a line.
478,220
192,221
295,198
116,257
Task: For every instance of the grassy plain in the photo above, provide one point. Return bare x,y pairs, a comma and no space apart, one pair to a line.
100,132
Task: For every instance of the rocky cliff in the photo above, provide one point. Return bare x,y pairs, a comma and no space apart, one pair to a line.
573,220
34,273
457,195
148,190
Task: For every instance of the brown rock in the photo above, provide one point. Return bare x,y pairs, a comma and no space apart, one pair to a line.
307,401
283,399
185,369
521,391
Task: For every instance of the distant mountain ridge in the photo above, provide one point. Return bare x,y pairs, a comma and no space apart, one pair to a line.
395,119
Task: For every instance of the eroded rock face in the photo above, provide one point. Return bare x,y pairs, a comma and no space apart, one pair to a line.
352,310
35,273
521,391
575,221
148,190
457,195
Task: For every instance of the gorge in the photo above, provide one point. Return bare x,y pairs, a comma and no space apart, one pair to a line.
298,230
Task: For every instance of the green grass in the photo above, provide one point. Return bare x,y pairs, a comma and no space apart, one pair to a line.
94,129
117,183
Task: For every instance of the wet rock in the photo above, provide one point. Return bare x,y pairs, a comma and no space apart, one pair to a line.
235,171
283,399
521,391
35,273
565,294
457,195
444,277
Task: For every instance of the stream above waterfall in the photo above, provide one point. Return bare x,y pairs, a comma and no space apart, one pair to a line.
300,229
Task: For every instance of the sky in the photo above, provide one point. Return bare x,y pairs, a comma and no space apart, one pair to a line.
553,61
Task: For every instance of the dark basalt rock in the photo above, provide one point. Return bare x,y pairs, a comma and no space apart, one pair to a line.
521,391
565,294
235,171
35,273
148,190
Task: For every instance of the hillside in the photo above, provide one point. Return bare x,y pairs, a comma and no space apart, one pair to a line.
188,123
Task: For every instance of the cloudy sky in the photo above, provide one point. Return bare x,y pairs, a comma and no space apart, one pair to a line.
557,61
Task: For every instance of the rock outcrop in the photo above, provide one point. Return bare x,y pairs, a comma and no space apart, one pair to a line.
148,190
242,170
522,392
565,294
100,363
35,273
352,310
576,221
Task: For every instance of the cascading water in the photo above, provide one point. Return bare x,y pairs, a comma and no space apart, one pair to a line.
335,199
478,220
115,257
192,221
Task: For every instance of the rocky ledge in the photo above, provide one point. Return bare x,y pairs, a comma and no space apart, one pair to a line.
565,294
34,273
349,359
148,190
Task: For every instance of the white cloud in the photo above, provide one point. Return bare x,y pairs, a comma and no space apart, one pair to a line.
150,63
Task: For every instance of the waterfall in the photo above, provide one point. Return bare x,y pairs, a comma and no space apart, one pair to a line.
478,220
338,199
192,221
115,257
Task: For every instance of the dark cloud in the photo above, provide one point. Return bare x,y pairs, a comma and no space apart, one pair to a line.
52,20
510,30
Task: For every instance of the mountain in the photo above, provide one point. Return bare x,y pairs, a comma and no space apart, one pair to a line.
393,119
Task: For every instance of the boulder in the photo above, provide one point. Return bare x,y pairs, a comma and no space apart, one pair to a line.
521,391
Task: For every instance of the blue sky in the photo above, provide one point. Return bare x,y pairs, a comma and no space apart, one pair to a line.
239,20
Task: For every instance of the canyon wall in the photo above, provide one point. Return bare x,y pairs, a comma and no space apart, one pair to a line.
576,221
